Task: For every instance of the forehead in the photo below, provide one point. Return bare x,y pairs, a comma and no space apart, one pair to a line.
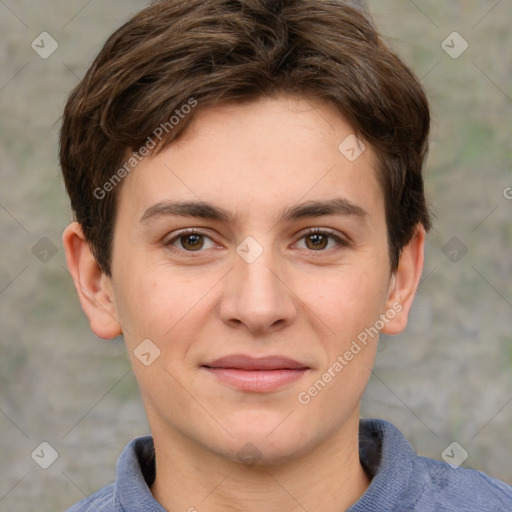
259,156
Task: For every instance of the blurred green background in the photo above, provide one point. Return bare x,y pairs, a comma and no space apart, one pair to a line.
446,378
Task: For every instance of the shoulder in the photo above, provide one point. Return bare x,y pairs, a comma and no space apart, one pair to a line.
440,487
406,482
101,501
135,471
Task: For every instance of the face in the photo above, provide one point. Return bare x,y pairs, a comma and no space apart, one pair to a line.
285,257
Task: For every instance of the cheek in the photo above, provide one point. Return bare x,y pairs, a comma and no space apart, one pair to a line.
350,308
140,300
160,303
347,301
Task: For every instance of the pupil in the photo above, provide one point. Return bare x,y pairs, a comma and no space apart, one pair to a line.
193,241
318,240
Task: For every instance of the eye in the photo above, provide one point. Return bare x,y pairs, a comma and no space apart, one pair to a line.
318,239
190,240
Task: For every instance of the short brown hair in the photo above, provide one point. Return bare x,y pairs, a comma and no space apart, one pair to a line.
217,51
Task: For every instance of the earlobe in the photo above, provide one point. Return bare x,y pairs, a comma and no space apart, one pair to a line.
93,286
404,282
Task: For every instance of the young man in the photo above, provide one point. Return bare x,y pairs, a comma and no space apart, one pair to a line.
246,177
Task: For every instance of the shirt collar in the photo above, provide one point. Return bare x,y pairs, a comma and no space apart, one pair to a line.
135,471
389,458
384,452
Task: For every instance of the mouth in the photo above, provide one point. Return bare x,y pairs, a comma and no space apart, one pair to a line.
256,374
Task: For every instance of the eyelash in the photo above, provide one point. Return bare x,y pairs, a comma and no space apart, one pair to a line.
312,231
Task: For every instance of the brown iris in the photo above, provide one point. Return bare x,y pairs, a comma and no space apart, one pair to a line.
318,240
196,242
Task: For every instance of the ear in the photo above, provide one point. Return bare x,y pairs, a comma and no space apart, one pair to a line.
404,282
93,286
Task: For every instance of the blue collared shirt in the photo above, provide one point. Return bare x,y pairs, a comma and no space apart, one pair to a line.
401,480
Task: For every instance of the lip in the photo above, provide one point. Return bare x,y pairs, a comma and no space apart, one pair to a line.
263,374
243,362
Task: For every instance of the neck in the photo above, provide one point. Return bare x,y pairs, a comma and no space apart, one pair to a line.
329,477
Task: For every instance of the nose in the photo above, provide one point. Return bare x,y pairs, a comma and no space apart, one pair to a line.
257,296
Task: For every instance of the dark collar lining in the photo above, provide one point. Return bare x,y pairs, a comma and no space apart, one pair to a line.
146,456
370,454
370,449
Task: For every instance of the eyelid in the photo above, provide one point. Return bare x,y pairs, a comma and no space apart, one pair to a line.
342,239
168,240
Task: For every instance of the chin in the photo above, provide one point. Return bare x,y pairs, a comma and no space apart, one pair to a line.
270,446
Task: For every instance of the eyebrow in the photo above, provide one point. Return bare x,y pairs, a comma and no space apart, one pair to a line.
204,210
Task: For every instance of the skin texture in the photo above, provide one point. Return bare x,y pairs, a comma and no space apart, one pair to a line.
297,299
